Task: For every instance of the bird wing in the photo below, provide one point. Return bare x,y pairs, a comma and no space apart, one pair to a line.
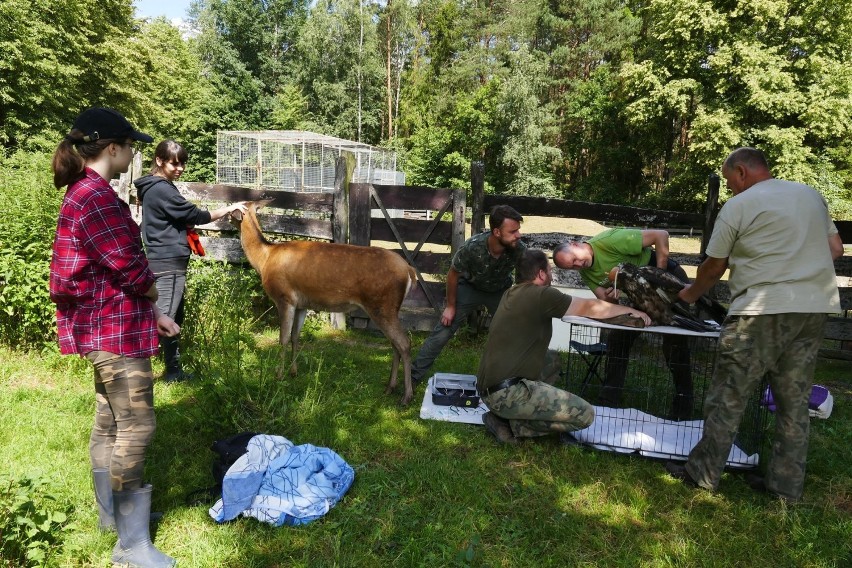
661,279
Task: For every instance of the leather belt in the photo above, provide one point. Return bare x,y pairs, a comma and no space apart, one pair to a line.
502,385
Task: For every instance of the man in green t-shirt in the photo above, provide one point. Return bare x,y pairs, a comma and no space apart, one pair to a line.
594,259
514,375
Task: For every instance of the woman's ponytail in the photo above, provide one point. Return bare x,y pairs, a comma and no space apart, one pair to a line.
69,159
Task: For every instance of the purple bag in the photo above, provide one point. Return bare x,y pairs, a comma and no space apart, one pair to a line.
820,402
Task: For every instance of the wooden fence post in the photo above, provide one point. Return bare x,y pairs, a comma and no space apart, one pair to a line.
359,214
340,220
477,187
126,178
340,209
711,209
457,238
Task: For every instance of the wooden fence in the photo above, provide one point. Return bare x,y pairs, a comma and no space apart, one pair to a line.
368,214
359,214
839,328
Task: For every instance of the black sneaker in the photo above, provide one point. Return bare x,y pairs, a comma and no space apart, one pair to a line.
499,428
679,472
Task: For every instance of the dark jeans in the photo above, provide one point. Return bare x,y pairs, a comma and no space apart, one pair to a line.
170,288
468,299
677,356
675,351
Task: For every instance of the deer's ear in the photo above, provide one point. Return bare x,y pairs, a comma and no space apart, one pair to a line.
262,203
237,215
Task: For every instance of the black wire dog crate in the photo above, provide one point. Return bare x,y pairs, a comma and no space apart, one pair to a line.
648,412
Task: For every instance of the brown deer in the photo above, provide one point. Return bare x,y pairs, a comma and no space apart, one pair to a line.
302,275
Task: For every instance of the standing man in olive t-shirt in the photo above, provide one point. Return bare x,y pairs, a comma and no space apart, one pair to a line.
513,373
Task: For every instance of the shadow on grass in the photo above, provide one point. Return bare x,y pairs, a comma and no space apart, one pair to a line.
436,493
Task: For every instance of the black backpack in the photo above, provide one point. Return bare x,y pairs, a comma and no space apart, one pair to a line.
227,451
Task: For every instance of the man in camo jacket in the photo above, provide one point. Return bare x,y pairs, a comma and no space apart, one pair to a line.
481,271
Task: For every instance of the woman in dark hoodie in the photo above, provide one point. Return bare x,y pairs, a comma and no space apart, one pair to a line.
166,215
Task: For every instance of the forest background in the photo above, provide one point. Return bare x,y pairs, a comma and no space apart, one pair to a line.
632,102
626,102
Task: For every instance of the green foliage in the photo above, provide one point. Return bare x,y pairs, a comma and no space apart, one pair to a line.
289,110
31,524
30,204
244,49
219,315
598,100
225,305
600,156
340,70
172,90
526,155
231,98
709,77
428,158
58,58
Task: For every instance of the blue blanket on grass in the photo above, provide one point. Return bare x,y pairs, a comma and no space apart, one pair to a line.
282,484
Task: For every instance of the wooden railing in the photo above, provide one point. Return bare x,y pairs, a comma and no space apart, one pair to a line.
361,214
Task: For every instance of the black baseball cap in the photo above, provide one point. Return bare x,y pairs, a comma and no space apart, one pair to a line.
107,124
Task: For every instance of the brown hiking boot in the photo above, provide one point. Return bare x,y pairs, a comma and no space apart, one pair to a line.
499,428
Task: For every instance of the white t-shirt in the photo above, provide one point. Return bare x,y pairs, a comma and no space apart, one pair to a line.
775,237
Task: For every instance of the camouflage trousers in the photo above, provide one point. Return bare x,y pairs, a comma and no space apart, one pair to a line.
537,408
783,348
124,417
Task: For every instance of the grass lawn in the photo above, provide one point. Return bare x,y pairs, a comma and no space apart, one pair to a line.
425,493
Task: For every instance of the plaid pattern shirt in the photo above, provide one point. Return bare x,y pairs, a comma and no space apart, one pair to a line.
98,274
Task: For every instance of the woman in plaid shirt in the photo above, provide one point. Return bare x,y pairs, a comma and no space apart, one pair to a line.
105,311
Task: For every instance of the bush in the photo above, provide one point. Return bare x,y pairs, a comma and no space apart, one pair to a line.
225,307
30,205
30,532
219,316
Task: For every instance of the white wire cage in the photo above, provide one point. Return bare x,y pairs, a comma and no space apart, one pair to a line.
295,160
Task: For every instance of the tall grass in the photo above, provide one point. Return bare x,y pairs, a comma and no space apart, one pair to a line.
29,204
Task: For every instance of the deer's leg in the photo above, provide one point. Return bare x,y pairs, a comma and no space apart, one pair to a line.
404,352
393,373
298,322
393,330
286,314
